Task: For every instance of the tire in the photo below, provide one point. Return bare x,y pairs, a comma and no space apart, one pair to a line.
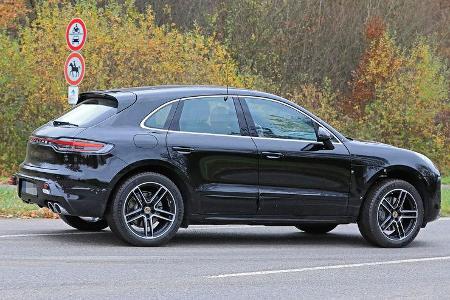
316,228
84,225
146,210
392,214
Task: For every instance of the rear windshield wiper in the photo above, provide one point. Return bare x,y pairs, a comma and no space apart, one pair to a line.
62,123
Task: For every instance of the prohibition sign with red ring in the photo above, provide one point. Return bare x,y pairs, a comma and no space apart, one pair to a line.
76,34
74,68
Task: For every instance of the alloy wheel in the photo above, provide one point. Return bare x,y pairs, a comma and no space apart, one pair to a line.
397,214
149,210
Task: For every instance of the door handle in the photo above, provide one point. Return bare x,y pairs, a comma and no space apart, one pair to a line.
182,150
272,155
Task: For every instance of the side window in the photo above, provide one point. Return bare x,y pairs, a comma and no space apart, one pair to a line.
275,120
158,119
209,115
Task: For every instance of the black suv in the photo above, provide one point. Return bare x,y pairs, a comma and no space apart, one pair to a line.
145,161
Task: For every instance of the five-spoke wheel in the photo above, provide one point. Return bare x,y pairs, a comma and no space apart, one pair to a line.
397,214
392,214
147,210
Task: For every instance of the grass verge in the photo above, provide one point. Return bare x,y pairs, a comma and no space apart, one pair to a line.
445,196
11,206
445,180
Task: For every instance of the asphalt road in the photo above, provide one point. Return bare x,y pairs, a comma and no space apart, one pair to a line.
42,259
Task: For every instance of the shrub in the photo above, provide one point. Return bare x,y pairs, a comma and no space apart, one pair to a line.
322,100
406,109
124,48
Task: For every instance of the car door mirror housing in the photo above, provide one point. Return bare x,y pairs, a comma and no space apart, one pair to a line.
324,136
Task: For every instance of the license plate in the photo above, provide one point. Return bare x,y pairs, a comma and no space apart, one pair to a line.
29,188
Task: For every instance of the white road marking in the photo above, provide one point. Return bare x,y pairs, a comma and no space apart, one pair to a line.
48,234
444,219
333,267
100,232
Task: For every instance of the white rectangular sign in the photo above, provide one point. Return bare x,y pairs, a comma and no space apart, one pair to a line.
73,94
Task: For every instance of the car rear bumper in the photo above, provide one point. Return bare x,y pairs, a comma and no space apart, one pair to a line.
79,193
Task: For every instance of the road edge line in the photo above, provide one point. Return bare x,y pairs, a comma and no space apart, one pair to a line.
331,267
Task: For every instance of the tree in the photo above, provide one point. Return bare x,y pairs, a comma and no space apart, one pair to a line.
124,48
407,108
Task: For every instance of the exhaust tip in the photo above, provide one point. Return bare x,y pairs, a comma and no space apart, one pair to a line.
57,208
51,207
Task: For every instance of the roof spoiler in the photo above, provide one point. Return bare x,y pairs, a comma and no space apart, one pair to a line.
124,99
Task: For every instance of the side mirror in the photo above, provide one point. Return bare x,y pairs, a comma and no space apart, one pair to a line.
324,136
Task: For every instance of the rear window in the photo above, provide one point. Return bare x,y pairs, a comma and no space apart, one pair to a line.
89,112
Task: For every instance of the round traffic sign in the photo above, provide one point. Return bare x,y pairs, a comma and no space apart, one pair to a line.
74,68
76,34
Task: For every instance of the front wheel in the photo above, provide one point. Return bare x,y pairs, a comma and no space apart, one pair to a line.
84,224
147,210
392,214
316,228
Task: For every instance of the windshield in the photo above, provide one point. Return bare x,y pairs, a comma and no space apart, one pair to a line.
88,113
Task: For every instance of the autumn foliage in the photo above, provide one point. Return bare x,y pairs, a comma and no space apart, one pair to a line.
378,64
397,93
10,13
398,96
124,48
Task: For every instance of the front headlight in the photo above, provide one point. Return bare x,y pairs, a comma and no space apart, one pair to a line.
429,163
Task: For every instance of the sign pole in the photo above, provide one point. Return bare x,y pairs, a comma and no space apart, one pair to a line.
74,67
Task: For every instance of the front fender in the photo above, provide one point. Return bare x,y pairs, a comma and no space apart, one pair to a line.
365,177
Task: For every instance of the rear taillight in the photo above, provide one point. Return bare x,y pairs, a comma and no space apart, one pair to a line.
72,145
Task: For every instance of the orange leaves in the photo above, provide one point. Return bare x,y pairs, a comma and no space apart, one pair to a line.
375,28
398,95
10,11
379,64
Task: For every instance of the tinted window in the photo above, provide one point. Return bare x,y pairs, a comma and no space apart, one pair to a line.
209,115
275,120
158,119
90,112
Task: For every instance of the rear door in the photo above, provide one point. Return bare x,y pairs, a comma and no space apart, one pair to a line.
208,139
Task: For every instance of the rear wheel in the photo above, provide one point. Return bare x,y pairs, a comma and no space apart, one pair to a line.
84,224
316,228
392,214
147,210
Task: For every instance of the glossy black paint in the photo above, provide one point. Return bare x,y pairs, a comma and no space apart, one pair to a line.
223,179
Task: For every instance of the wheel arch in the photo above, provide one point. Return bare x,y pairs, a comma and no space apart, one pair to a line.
405,173
156,166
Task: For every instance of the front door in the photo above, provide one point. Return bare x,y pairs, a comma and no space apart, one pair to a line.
298,176
207,139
